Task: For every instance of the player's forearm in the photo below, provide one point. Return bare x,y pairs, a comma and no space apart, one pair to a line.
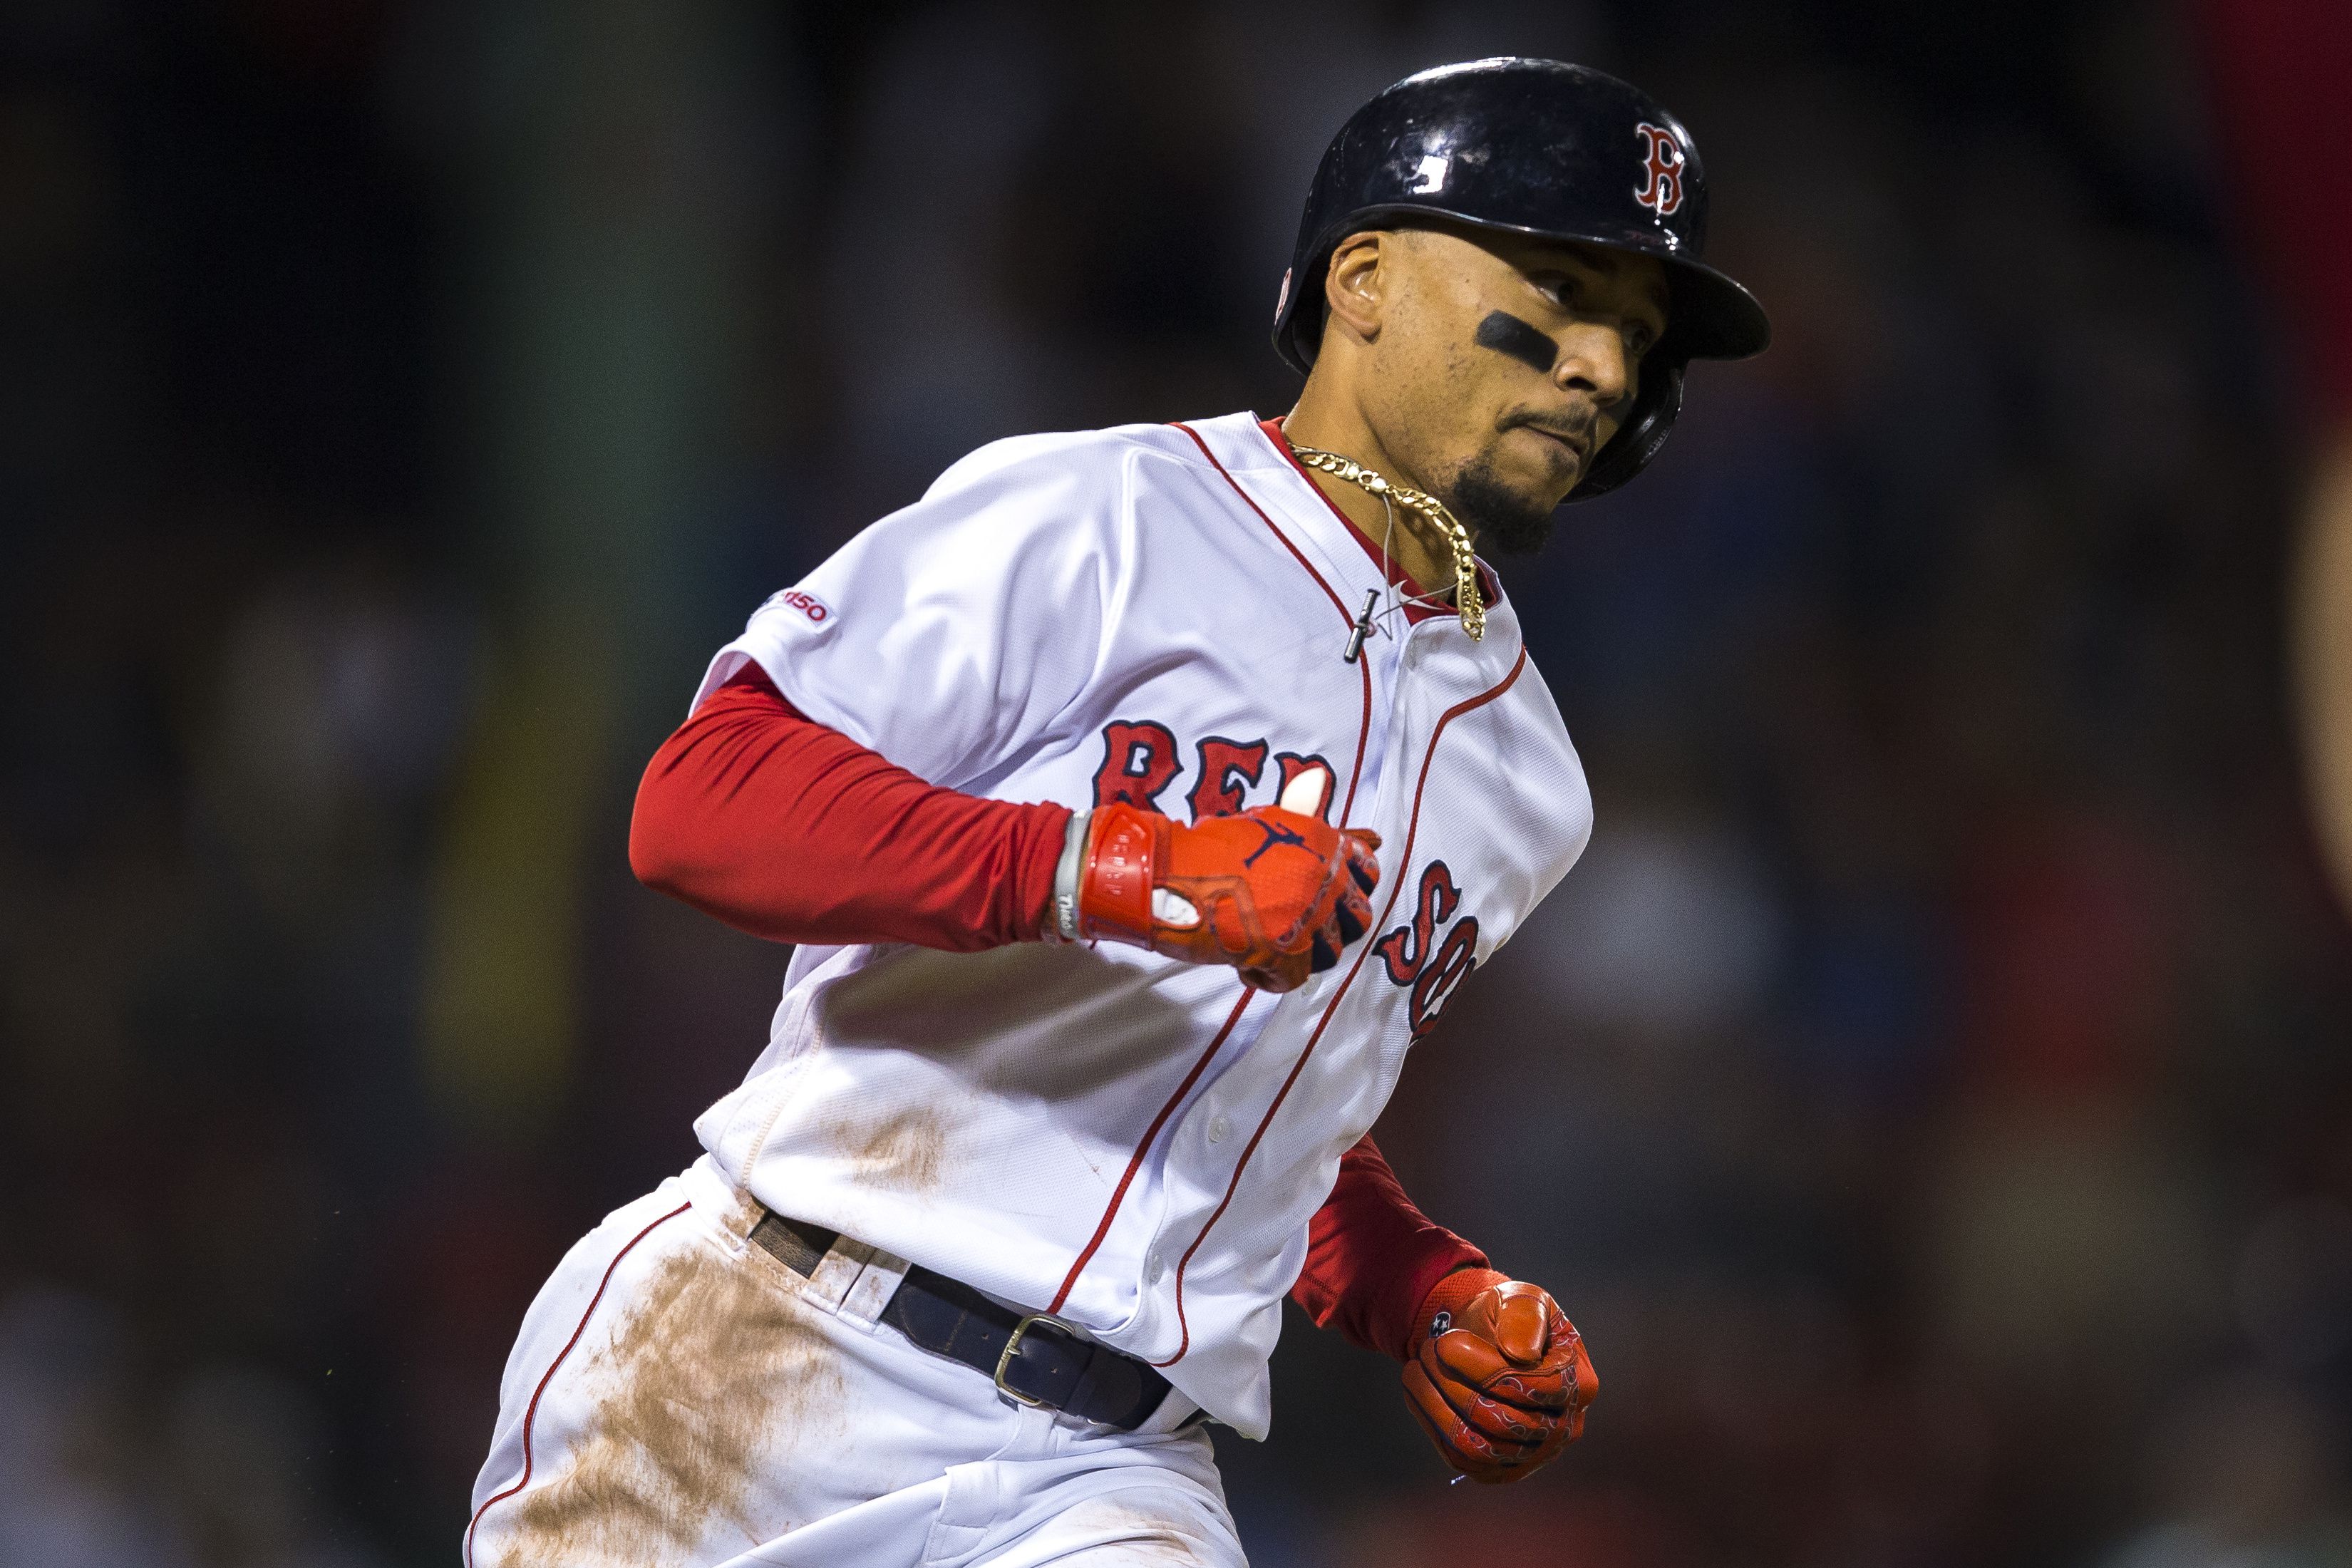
1372,1257
792,831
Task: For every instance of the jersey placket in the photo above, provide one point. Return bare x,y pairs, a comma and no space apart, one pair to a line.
1243,1131
1207,1128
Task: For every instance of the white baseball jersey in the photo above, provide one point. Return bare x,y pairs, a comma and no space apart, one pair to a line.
1154,614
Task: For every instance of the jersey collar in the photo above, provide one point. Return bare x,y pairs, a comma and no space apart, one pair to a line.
1403,581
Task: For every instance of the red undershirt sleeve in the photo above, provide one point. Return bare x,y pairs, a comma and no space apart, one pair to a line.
790,830
1372,1257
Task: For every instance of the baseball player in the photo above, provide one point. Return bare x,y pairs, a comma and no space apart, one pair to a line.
1136,799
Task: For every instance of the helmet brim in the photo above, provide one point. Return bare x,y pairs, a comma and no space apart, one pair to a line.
1709,316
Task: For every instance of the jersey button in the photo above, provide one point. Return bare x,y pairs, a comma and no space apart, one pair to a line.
1154,1265
1218,1128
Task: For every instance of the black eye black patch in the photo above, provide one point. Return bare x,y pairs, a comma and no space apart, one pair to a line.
1506,333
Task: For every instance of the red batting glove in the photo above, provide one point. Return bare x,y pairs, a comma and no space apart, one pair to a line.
1498,1377
1276,892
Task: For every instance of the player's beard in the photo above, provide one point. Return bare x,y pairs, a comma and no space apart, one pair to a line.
1502,520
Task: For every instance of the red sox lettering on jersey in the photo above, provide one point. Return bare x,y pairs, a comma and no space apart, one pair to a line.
1153,614
1432,972
1139,760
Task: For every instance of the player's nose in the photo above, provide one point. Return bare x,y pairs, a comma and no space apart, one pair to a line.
1594,360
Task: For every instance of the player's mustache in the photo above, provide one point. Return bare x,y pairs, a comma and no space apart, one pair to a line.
1575,429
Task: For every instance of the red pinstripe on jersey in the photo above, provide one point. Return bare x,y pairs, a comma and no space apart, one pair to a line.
1412,830
1363,733
1119,1196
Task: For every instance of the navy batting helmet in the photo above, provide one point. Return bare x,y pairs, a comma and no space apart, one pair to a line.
1536,147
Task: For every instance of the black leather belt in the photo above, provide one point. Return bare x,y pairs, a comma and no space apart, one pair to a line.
1034,1360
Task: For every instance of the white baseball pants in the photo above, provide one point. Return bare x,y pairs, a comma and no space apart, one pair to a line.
678,1397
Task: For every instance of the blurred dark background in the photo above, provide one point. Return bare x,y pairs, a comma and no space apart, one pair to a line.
1929,1095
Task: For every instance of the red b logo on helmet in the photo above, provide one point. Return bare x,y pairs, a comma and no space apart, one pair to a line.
1661,189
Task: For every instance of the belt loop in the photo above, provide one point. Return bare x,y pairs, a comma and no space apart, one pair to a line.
741,1217
865,1300
838,1271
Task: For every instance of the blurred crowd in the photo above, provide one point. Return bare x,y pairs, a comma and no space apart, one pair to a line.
1929,1095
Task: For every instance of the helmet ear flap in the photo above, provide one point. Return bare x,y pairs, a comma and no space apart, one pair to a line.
1638,439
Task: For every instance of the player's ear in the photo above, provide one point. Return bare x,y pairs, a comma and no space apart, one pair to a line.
1355,285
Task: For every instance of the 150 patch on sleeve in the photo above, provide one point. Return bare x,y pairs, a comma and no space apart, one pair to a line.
807,604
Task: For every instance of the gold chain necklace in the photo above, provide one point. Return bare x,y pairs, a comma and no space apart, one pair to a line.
1467,601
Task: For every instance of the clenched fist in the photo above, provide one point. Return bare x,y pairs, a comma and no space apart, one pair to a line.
1276,892
1498,1378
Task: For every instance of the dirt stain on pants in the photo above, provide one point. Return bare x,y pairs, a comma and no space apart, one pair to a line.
710,1380
1135,1536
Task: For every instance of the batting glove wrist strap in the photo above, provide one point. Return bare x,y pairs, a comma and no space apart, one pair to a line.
1124,852
1062,915
1446,1301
